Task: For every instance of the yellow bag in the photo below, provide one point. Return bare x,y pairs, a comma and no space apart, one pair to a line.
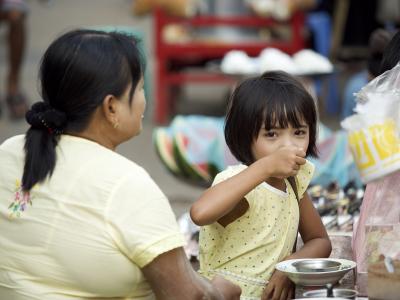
373,131
376,149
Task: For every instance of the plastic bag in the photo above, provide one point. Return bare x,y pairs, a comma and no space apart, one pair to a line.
377,235
374,129
376,239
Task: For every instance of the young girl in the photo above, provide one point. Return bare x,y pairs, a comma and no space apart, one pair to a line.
251,215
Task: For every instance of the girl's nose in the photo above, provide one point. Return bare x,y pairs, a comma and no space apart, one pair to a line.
287,141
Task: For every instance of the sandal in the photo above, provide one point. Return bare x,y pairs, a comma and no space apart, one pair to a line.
17,106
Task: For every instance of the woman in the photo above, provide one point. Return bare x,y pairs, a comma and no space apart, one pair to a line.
77,219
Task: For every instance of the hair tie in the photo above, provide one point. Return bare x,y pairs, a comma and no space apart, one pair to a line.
43,116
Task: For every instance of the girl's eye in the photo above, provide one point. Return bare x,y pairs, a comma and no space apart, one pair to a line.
300,132
270,134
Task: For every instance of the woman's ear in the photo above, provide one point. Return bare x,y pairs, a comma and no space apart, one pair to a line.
110,108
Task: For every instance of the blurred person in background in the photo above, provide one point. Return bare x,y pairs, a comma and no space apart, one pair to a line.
378,41
77,219
14,12
391,55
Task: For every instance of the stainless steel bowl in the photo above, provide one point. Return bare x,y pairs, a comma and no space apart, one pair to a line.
337,293
315,278
316,265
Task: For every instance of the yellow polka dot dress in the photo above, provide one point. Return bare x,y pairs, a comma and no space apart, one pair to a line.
246,251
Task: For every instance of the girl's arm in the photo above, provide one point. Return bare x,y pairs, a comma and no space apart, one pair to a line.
222,198
316,244
312,231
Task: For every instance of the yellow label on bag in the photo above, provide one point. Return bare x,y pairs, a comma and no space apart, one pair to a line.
376,149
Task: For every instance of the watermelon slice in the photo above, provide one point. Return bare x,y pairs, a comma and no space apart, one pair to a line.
196,171
164,149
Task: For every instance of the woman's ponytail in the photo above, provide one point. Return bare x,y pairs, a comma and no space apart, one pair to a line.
41,139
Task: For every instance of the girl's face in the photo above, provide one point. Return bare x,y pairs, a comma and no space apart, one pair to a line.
269,141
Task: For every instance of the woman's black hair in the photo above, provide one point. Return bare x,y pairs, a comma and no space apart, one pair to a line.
78,70
272,99
391,55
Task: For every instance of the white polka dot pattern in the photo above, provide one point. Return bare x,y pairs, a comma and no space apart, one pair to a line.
250,246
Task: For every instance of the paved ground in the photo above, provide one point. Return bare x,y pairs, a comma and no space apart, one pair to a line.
44,24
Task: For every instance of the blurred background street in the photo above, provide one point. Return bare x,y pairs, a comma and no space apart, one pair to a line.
46,21
340,35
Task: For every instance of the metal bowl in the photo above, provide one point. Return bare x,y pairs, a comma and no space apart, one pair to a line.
315,278
342,293
316,265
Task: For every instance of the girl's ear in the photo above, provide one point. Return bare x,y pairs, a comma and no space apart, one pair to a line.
110,108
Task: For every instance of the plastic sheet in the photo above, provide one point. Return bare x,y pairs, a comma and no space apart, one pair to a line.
374,129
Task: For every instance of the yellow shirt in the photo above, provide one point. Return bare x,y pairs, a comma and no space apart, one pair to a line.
246,250
87,231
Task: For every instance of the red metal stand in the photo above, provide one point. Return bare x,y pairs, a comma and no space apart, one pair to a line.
166,52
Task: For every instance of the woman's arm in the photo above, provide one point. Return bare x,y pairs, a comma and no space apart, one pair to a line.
220,199
172,278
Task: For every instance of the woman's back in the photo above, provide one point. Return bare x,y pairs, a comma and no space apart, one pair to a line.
86,229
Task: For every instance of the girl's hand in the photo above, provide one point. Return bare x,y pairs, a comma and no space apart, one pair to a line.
279,287
285,162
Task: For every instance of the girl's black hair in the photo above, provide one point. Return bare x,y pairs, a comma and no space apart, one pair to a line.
272,99
78,70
